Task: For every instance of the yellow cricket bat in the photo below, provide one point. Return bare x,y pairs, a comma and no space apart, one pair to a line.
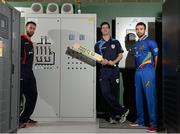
87,52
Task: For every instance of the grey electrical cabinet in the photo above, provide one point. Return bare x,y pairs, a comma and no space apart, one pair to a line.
65,80
9,67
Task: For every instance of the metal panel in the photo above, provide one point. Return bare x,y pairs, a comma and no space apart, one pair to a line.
125,25
47,65
15,34
171,93
5,72
4,26
9,78
77,74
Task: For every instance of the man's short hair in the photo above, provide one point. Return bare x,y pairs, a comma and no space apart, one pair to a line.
30,22
142,24
105,23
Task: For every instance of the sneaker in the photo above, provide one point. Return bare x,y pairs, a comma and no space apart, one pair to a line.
31,122
151,129
21,125
118,117
112,121
134,124
123,116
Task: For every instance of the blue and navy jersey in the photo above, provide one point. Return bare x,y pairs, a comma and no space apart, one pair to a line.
145,50
108,49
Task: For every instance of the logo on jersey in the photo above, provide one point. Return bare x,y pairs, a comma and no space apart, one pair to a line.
155,50
113,46
31,52
117,80
136,52
147,84
141,48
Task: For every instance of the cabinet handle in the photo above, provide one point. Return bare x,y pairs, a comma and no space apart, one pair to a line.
12,69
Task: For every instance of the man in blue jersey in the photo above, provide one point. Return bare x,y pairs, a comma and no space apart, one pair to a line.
146,54
111,51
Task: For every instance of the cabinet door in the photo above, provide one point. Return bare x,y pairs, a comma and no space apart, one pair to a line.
15,68
171,94
77,73
46,65
5,68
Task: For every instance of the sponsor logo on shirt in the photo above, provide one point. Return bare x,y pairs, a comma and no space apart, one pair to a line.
141,48
113,46
155,50
30,52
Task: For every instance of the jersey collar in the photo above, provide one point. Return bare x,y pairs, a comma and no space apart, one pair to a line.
143,38
105,40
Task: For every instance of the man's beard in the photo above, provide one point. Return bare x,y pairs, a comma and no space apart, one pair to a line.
30,35
140,35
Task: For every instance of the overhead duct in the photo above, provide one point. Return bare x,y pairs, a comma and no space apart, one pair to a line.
37,8
67,8
52,8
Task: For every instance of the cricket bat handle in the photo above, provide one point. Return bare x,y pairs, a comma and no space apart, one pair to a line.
115,65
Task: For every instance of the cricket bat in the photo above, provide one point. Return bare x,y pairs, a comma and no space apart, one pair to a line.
86,52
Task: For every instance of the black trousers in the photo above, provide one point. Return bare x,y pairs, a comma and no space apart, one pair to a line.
109,82
28,88
129,92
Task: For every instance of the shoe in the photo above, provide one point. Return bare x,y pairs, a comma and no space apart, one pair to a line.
31,122
134,124
124,115
118,117
112,121
151,129
21,125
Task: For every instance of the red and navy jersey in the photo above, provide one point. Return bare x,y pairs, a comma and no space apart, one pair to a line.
108,49
27,52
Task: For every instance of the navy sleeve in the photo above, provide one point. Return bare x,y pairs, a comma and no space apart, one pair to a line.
119,47
96,48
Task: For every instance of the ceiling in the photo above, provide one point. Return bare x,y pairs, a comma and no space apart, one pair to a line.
85,1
